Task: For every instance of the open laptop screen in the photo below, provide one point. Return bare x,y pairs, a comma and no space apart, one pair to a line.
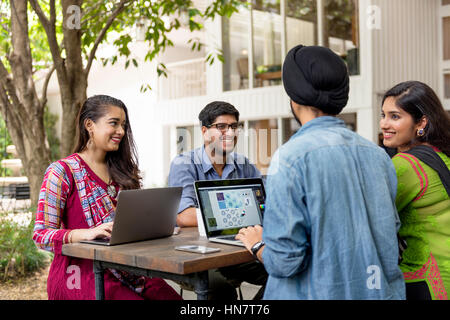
229,205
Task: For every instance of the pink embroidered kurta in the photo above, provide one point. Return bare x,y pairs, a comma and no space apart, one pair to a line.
72,196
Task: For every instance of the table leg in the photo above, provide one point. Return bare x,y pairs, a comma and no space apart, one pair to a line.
99,273
201,285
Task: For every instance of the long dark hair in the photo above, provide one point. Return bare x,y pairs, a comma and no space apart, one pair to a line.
122,164
419,100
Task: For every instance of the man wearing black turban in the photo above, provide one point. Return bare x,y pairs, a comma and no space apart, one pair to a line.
316,77
330,223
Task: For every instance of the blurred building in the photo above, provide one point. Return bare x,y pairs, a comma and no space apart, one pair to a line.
382,41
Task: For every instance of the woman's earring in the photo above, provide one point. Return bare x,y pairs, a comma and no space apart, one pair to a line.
90,142
420,132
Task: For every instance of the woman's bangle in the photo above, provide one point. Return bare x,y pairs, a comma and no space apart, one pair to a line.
66,237
70,236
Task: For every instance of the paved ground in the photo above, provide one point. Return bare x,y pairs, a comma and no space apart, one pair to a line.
35,288
248,291
30,288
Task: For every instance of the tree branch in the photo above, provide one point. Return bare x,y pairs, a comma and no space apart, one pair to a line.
12,123
50,30
120,7
6,107
12,109
52,12
42,17
4,102
45,86
5,81
89,10
10,90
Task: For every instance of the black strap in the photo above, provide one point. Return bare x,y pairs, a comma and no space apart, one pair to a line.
432,159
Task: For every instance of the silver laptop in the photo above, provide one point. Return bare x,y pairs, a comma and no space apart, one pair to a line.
143,214
227,206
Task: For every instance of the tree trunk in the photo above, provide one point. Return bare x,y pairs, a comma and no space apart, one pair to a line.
20,105
19,102
73,90
69,120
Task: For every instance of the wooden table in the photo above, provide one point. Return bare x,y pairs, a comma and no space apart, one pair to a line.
158,258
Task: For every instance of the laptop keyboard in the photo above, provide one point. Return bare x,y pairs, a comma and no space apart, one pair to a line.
230,237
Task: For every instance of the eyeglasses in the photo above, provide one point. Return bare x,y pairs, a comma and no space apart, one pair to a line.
225,126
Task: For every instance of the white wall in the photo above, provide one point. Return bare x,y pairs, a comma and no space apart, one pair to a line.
444,65
125,84
406,45
142,107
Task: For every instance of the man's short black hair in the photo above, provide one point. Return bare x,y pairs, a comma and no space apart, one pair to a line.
215,109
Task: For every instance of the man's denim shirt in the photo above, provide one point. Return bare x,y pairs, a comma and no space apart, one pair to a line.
196,165
330,222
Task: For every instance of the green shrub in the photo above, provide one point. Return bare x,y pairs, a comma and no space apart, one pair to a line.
19,256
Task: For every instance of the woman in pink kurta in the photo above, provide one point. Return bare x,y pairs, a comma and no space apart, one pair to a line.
76,203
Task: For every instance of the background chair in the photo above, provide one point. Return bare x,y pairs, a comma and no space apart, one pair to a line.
242,67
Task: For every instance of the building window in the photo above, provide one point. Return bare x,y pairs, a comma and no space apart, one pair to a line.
267,24
188,138
349,119
263,142
447,86
235,46
341,31
446,39
301,23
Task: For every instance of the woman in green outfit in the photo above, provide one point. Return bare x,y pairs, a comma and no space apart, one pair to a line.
413,119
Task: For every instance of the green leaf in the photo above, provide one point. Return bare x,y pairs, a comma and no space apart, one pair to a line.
193,12
145,88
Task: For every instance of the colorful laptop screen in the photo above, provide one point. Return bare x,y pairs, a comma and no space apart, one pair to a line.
231,207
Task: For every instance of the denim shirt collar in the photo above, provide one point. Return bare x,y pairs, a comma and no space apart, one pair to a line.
207,165
320,122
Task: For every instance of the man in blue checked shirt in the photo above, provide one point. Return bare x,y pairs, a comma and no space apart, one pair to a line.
216,160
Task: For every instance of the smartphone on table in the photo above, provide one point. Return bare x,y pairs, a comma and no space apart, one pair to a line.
197,249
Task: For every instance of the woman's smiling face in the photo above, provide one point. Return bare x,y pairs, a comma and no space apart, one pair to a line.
398,126
109,130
